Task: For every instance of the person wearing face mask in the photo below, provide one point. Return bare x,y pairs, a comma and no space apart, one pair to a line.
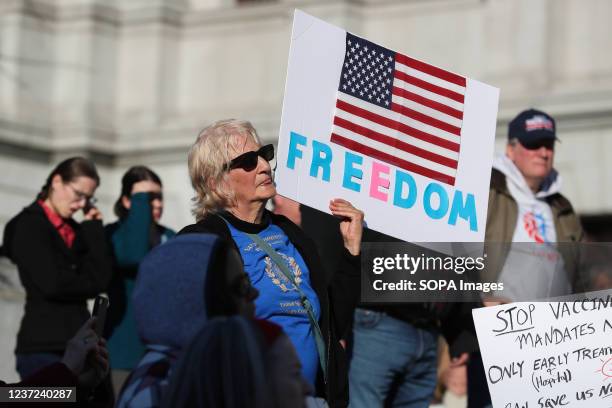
139,209
232,177
61,262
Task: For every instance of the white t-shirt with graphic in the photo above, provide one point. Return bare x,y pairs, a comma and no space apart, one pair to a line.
534,267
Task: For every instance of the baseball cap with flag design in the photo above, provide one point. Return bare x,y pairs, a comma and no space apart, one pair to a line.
532,127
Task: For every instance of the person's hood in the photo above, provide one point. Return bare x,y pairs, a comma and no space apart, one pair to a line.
168,297
551,185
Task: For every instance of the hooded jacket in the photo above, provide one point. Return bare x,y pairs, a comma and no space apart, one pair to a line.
170,307
338,294
503,213
58,280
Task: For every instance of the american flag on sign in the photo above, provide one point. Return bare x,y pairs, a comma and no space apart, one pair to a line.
399,110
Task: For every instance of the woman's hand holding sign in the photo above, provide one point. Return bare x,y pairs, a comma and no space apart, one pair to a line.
351,227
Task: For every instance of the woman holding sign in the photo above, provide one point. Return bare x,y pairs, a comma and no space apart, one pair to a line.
231,174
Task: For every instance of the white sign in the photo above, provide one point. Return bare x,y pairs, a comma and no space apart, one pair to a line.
408,143
548,354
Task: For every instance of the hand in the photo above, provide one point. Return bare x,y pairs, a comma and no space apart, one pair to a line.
96,368
80,346
351,226
145,186
93,214
102,356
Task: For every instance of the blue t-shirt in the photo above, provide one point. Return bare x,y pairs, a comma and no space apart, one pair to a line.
278,299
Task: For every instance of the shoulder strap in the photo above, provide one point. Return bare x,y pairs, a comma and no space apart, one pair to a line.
282,265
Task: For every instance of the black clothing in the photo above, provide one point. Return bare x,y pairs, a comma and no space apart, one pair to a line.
452,319
338,294
57,279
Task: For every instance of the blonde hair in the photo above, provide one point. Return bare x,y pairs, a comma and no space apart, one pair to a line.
207,158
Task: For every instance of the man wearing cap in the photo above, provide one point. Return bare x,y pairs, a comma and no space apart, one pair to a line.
525,203
526,208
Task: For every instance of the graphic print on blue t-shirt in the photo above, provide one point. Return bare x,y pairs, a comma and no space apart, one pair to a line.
278,299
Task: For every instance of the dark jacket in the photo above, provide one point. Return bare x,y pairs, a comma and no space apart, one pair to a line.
58,280
450,318
338,294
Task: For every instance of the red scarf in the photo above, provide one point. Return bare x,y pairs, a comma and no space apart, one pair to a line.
61,225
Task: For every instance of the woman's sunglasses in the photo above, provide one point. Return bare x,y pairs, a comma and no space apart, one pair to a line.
248,161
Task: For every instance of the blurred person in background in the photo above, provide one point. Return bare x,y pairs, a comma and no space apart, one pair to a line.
139,209
231,174
180,285
61,262
236,362
530,216
84,363
84,366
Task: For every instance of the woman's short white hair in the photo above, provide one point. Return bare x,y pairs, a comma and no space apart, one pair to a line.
207,159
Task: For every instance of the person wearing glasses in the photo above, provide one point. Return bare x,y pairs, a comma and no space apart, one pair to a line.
61,262
139,209
232,178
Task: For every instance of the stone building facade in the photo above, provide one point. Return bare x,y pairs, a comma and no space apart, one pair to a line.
132,81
